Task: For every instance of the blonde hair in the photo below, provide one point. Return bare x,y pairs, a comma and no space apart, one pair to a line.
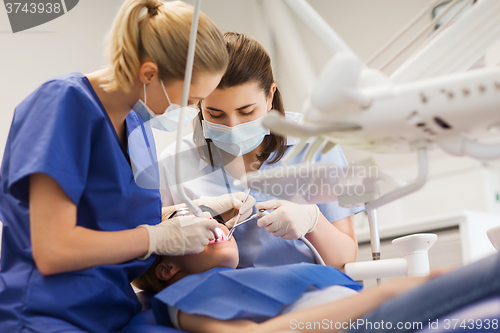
160,31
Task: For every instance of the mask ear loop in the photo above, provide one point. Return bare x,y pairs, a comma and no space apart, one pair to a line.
168,99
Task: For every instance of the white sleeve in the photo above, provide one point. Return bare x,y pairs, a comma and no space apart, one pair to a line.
312,298
173,313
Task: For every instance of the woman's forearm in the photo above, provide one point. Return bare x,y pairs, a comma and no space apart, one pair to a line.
84,248
335,247
331,317
339,315
341,311
59,245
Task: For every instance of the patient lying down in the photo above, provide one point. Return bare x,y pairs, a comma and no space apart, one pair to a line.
205,293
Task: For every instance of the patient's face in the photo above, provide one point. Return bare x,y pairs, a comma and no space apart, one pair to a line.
216,254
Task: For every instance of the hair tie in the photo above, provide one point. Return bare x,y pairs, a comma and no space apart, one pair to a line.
153,11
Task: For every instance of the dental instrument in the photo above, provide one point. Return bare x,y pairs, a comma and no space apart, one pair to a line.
257,215
247,193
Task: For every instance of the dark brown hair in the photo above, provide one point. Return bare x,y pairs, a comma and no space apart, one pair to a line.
248,62
148,281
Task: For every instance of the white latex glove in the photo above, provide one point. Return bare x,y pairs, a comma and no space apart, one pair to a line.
223,203
179,235
289,220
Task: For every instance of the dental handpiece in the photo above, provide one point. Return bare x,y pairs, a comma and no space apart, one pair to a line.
258,215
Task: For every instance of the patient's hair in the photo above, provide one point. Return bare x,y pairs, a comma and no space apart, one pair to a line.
160,31
149,281
248,62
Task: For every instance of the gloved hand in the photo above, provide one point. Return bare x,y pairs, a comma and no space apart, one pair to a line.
179,235
289,220
224,203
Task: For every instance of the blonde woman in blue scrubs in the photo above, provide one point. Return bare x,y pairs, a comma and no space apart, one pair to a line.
229,127
75,221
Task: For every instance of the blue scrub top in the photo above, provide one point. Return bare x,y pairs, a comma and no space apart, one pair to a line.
62,130
257,247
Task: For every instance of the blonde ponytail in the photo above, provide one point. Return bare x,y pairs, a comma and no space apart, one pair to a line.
160,31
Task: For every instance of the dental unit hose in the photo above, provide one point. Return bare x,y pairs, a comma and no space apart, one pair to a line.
185,95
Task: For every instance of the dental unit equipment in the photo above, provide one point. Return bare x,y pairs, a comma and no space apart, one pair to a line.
374,112
431,100
184,102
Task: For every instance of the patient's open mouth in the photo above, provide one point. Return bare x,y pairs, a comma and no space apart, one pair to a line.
219,236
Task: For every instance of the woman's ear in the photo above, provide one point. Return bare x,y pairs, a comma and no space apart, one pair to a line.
147,72
166,270
271,96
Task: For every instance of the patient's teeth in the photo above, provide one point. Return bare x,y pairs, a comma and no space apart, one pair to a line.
219,234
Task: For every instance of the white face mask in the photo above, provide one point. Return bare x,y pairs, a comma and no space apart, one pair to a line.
168,120
237,140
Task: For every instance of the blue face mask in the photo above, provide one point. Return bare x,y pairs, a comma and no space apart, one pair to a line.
168,120
237,140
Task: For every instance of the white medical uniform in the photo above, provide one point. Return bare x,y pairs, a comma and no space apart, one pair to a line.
256,246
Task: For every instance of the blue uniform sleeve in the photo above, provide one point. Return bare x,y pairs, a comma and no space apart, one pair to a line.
51,134
331,210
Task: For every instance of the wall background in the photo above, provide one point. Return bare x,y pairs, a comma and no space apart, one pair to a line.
75,42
